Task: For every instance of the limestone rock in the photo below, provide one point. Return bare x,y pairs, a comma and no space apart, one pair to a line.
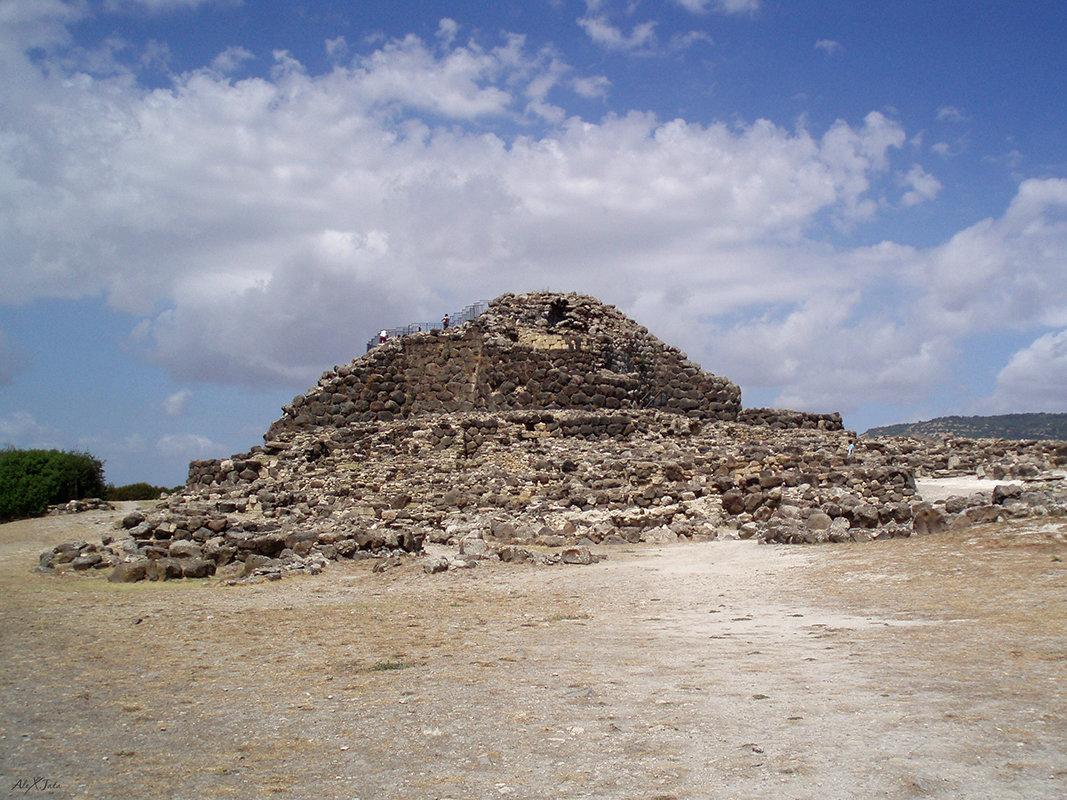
129,571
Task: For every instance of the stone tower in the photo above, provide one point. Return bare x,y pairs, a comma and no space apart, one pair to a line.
540,350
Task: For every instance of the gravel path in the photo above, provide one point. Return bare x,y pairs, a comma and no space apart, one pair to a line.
930,667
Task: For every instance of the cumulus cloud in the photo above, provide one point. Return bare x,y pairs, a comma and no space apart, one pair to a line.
446,31
738,6
12,360
274,217
683,41
591,87
1005,271
21,429
951,114
828,46
724,6
230,60
1035,378
176,404
337,48
264,227
921,186
187,446
158,6
597,26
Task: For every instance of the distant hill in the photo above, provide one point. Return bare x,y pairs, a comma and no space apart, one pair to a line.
1003,426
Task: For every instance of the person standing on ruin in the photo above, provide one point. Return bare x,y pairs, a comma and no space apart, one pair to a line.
444,322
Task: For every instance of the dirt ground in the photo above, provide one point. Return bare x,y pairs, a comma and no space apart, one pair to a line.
930,667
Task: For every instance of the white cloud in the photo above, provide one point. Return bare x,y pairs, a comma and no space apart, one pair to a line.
596,86
1011,161
446,31
230,60
337,48
855,156
922,186
724,6
1006,271
739,6
641,38
278,222
951,149
14,14
829,46
12,360
683,41
463,83
1035,379
159,6
951,114
277,218
189,446
21,429
176,404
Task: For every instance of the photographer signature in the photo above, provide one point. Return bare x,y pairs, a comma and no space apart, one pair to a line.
39,784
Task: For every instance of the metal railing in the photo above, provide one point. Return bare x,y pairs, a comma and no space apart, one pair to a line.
466,314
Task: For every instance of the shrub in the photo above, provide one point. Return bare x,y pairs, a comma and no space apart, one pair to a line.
32,480
136,491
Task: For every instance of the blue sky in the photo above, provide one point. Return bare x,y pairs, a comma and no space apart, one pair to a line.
205,203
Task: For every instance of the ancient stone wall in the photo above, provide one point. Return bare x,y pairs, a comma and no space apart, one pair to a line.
986,458
501,483
785,419
534,351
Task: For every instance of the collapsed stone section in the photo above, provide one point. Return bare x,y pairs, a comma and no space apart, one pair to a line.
533,351
995,459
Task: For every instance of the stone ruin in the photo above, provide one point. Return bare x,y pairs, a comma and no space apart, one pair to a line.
534,351
546,428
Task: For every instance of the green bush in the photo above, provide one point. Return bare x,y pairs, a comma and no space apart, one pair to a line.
32,480
136,491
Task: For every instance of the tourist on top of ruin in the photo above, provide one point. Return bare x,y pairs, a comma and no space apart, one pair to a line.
383,336
851,448
444,322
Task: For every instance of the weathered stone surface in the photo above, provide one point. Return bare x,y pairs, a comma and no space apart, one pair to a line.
197,568
435,565
577,555
79,506
928,519
129,571
184,548
163,569
1004,492
819,521
133,519
87,561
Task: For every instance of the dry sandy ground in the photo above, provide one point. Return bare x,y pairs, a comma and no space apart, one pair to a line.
932,667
